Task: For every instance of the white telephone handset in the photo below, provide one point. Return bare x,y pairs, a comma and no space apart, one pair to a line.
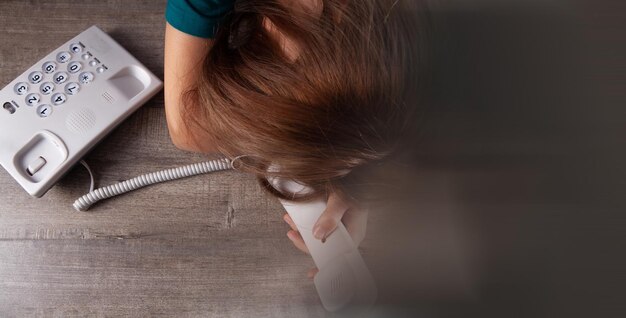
343,278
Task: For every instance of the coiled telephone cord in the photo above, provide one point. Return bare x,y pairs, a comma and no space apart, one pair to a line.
87,200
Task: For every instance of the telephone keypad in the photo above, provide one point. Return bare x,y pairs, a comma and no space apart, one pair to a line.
76,73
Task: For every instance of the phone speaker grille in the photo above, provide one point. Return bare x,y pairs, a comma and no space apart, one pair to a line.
80,120
108,97
336,284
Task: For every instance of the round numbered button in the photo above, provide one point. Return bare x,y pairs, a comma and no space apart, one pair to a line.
64,57
49,67
21,88
86,77
74,67
60,77
72,88
32,99
46,88
44,110
35,77
58,98
76,48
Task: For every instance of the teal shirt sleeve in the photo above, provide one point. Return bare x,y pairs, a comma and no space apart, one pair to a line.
199,18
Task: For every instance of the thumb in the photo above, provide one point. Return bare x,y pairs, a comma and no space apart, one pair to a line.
330,218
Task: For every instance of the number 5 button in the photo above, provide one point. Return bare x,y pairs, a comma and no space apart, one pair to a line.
58,98
72,88
46,88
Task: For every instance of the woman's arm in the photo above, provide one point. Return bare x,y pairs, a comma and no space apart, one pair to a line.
184,54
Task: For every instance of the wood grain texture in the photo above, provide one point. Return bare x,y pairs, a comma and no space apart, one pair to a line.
212,245
496,225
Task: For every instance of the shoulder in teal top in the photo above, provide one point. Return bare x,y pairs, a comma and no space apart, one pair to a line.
199,18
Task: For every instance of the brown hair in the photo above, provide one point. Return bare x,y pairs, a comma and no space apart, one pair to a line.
331,115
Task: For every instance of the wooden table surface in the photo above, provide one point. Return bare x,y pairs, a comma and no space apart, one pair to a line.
212,245
515,172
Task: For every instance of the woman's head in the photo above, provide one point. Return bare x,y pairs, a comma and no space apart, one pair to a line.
324,91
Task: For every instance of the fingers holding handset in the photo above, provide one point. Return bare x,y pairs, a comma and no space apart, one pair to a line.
353,216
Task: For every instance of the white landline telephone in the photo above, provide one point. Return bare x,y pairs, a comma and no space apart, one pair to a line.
59,108
62,106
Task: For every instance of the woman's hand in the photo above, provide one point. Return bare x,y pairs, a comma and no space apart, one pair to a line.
337,210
